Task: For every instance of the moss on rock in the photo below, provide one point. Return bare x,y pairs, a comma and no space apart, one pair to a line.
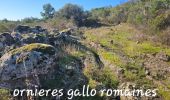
39,47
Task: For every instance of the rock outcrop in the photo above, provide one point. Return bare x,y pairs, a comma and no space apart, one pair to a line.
33,57
29,60
26,29
6,39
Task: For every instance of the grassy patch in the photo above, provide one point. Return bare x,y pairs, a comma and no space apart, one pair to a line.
164,93
149,48
134,71
4,94
103,76
78,53
111,57
130,76
167,51
133,49
66,60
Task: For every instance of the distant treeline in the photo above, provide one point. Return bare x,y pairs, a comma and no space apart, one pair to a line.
154,14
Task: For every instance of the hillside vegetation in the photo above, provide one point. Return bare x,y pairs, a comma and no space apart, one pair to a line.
108,47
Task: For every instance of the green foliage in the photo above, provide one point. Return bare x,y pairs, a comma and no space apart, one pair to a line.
165,93
109,15
104,76
4,94
134,71
107,77
72,12
66,60
100,13
111,57
147,13
141,13
130,76
3,28
132,49
7,26
30,20
149,48
144,82
160,22
139,19
48,11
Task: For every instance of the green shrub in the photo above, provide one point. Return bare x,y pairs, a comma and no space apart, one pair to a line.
66,60
164,93
134,71
130,76
139,19
147,47
3,28
111,57
104,76
159,23
165,37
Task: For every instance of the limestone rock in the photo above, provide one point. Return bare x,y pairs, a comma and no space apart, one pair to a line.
26,61
22,29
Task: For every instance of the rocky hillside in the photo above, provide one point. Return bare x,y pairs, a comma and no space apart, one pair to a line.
134,57
34,57
100,57
122,47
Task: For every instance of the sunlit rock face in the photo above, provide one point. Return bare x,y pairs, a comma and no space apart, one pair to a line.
26,61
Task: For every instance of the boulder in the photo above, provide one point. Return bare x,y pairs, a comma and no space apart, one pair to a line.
38,29
66,31
6,39
26,61
34,38
16,35
22,29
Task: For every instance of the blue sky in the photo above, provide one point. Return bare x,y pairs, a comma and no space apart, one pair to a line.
19,9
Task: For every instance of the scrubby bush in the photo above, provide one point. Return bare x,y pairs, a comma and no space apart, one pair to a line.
3,28
160,22
30,20
104,76
7,26
165,37
72,12
58,23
